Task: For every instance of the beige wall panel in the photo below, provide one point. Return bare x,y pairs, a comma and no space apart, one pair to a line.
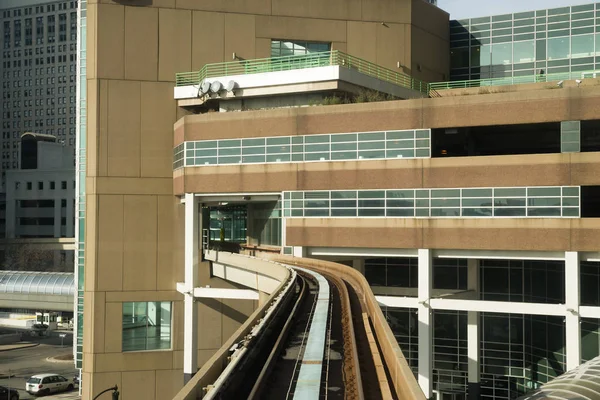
88,323
174,43
178,235
320,30
584,168
167,274
207,51
143,295
262,48
113,332
178,133
151,360
159,186
101,133
497,239
141,43
207,126
98,326
496,175
387,11
92,130
359,118
332,9
178,183
123,135
178,357
168,383
353,232
177,321
90,43
431,19
240,36
205,355
109,271
235,313
231,183
102,381
430,53
390,46
341,46
209,315
362,40
231,6
110,44
140,234
139,385
158,116
585,234
90,255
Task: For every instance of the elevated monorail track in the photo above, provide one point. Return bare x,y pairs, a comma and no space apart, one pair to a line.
321,335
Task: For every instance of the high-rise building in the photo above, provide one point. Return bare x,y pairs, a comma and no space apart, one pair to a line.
38,90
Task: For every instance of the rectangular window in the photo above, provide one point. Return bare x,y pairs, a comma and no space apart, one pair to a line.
63,185
570,136
52,185
295,47
146,326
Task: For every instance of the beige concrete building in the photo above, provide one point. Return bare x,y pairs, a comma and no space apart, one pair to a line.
443,198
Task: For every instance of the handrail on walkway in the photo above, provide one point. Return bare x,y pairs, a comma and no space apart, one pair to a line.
304,61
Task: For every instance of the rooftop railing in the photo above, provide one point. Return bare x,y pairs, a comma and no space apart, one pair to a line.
287,63
517,80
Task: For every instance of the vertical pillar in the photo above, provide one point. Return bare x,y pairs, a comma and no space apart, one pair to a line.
57,215
359,265
190,335
425,322
69,216
473,343
573,328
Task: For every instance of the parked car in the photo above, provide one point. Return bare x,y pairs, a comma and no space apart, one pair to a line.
4,393
43,384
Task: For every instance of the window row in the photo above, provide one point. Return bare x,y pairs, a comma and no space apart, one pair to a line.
329,147
517,202
41,185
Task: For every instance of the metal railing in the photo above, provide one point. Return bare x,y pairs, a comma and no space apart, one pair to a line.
287,63
517,80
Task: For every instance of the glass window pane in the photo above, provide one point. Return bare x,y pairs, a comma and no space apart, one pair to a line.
559,48
582,46
524,51
502,54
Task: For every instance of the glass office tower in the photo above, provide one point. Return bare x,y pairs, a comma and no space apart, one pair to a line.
557,40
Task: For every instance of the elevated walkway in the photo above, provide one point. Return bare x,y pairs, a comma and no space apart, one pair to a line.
49,291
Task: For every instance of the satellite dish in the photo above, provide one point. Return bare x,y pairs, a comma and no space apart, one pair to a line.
216,86
230,86
205,87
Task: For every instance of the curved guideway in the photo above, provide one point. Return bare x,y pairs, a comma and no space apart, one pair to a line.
308,384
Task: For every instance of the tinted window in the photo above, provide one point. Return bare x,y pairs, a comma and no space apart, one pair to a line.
34,380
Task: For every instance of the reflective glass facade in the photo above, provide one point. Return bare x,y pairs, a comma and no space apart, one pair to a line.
146,326
517,202
414,143
558,40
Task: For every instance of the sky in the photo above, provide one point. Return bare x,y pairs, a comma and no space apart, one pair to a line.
460,9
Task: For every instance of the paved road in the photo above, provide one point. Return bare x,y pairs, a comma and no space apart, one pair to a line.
22,363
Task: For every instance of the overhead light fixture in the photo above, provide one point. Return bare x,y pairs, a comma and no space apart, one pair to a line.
560,84
578,82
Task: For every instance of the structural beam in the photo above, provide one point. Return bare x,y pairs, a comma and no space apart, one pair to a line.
473,329
191,244
572,295
425,322
218,293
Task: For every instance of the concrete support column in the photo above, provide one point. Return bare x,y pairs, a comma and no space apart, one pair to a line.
191,244
57,215
70,221
425,322
473,328
573,328
359,265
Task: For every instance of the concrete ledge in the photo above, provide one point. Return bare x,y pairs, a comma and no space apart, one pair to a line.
17,346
